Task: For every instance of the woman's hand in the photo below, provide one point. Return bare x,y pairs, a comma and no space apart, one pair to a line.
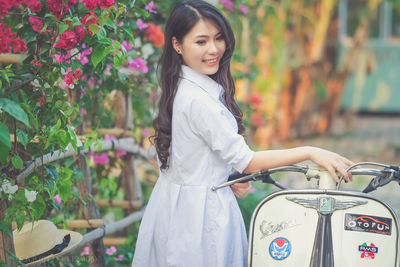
241,190
332,162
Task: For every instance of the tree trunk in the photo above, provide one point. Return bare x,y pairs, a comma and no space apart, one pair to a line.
90,210
6,242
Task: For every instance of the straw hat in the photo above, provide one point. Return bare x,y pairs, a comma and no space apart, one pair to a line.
42,241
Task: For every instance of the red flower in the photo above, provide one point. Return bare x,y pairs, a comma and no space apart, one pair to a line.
36,23
69,79
154,34
56,7
42,101
80,33
91,4
257,120
93,18
77,74
255,99
34,5
68,40
106,3
90,18
9,42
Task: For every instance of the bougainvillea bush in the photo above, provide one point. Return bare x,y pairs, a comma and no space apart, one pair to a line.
73,55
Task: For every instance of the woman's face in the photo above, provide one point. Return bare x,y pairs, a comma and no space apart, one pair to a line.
202,47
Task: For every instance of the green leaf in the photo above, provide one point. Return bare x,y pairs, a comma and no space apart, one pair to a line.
17,162
37,207
5,136
14,109
63,28
73,137
23,138
118,59
102,33
97,55
5,229
20,218
64,188
94,28
63,138
3,153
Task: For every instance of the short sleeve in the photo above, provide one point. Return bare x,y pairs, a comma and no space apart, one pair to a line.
206,119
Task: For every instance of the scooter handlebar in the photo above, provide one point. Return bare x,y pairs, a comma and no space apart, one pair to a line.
382,176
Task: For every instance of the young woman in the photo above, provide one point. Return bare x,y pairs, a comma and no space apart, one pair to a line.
199,140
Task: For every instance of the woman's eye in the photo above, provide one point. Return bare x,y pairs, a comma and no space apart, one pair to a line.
200,42
219,38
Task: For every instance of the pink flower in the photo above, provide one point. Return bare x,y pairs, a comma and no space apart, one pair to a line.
91,82
252,189
243,9
140,24
107,70
111,250
146,132
109,137
150,7
85,251
90,4
228,4
119,153
139,64
63,58
119,258
153,96
57,199
106,4
83,111
126,45
101,159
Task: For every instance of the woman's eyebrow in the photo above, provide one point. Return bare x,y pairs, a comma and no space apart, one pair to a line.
206,35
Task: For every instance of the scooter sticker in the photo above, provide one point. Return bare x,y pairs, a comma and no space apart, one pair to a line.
368,251
368,223
280,248
269,228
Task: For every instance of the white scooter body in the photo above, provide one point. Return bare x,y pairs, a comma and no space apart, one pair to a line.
282,232
323,228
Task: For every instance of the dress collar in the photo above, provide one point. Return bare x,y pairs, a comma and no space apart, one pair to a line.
210,86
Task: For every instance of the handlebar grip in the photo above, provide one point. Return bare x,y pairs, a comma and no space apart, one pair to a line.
237,175
370,187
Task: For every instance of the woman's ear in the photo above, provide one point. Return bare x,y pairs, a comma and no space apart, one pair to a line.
176,45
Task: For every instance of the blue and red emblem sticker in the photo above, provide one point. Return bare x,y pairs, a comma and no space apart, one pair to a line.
280,248
368,251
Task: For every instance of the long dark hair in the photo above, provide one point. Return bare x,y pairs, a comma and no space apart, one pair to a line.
182,19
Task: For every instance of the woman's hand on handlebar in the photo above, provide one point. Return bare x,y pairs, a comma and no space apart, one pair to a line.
241,190
332,162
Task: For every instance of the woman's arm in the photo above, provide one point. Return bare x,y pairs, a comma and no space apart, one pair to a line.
331,161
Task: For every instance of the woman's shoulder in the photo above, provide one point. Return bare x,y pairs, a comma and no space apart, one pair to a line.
191,95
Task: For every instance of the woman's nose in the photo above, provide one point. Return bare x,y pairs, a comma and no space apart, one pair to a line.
213,48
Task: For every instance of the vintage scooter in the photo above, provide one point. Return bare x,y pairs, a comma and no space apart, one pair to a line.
323,227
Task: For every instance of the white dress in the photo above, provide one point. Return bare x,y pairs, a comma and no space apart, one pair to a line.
186,223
